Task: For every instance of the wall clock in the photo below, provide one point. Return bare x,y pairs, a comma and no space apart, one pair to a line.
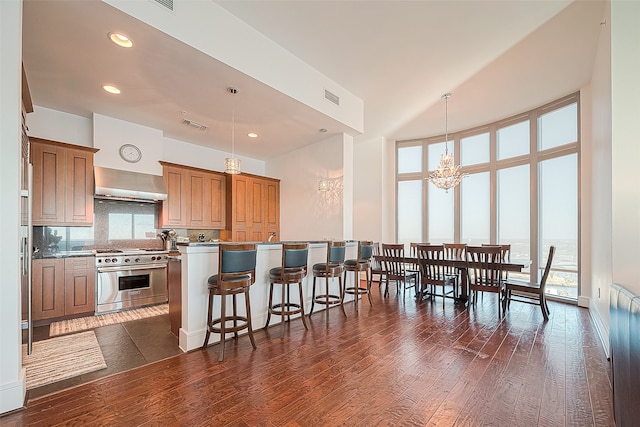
130,153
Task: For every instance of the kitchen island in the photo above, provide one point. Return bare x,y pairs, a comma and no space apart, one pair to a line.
200,260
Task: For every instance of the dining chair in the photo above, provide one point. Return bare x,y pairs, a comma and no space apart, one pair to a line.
236,274
484,265
505,255
454,251
395,268
433,272
361,263
376,264
529,292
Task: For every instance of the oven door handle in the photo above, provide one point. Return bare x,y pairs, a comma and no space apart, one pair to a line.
131,268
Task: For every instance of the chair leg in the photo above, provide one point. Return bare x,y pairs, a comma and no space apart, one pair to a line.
356,288
247,302
235,315
209,319
266,325
369,288
543,308
341,296
223,323
304,320
326,296
285,287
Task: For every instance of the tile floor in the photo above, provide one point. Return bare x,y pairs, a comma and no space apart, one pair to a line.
124,346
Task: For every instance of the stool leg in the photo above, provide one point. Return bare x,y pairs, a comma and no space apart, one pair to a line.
235,316
304,321
356,288
247,302
341,296
285,287
369,286
326,293
269,309
223,323
209,318
313,295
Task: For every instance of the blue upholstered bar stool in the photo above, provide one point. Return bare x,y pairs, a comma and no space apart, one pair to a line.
361,263
291,271
236,274
332,268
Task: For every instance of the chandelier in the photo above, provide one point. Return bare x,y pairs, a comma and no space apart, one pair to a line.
232,164
447,175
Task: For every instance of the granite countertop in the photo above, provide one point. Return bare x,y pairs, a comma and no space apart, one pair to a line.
62,254
258,243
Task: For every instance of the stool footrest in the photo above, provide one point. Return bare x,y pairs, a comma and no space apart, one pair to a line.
356,291
328,299
285,310
218,329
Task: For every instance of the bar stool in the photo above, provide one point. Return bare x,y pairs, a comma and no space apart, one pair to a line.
236,274
333,267
292,271
361,263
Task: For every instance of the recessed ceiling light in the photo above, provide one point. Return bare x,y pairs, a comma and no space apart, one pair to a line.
111,89
323,130
252,135
120,39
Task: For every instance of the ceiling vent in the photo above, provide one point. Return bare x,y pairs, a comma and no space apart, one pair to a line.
193,124
332,97
166,3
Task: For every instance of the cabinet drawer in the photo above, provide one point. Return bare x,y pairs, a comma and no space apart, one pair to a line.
79,263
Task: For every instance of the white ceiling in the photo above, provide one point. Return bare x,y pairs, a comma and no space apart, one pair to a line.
498,58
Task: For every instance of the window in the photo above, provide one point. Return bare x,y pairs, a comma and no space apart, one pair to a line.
521,191
474,149
475,219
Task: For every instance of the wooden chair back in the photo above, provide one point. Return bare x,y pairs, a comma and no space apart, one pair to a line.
485,268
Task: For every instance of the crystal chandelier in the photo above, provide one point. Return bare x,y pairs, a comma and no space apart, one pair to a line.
447,175
232,164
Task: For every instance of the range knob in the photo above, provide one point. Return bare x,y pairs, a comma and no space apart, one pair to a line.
153,258
114,259
127,260
107,260
137,260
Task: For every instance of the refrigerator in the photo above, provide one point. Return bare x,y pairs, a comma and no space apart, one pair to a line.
26,238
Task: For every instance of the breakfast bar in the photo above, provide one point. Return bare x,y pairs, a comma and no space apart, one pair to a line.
200,260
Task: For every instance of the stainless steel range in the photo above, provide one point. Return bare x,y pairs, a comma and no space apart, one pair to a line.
130,278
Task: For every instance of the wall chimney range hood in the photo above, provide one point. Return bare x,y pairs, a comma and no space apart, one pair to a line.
126,185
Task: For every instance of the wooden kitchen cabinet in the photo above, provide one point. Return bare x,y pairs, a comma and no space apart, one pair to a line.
62,183
253,208
195,198
79,285
47,288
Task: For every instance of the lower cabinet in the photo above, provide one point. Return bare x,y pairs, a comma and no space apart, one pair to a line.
63,287
174,283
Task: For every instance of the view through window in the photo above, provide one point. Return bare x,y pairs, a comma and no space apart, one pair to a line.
521,189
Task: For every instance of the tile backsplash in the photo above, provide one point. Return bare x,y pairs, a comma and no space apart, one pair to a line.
117,224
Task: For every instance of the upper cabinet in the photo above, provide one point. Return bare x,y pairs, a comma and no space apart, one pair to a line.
62,183
195,198
253,206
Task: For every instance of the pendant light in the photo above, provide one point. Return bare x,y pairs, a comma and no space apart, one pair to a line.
447,175
232,164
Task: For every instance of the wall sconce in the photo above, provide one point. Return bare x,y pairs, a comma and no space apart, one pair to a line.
323,185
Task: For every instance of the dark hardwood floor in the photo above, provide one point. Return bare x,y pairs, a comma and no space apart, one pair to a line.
396,363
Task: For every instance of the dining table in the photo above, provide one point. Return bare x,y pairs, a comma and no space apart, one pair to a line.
461,264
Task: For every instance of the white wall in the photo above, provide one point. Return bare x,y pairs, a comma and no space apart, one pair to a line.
12,375
625,155
305,212
600,183
59,126
368,188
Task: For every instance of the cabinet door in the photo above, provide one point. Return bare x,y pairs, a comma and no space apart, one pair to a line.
174,209
47,288
48,183
272,209
198,199
79,291
79,187
242,208
216,207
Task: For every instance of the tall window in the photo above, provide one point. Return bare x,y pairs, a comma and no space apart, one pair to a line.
521,189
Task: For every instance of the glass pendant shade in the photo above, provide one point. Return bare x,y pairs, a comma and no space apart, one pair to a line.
232,165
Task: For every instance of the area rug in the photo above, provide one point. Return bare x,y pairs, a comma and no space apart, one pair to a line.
91,322
60,358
